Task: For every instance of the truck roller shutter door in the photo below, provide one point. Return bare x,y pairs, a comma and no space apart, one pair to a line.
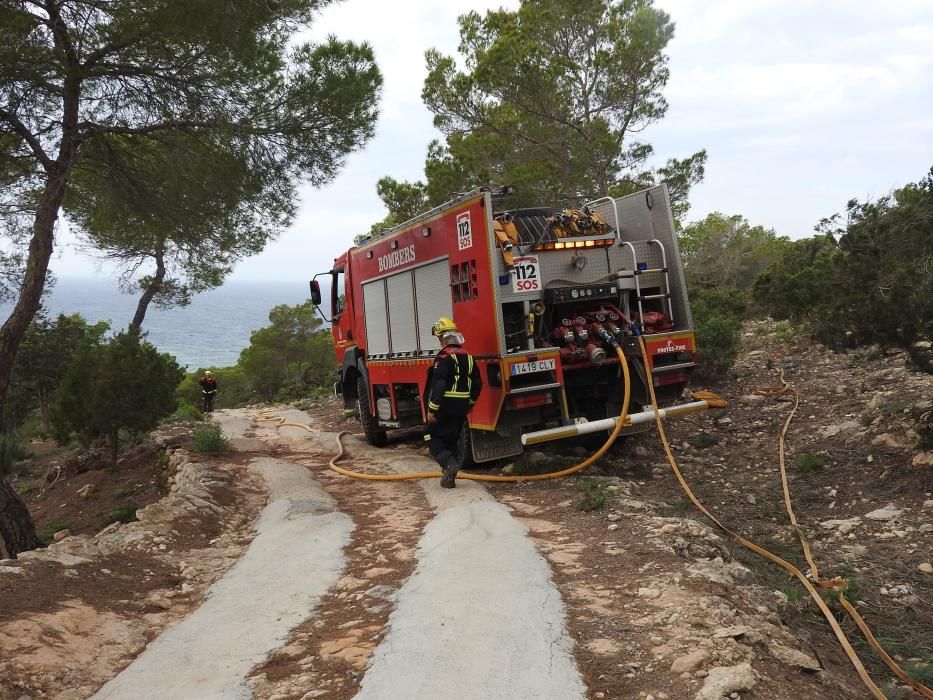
402,313
432,287
377,321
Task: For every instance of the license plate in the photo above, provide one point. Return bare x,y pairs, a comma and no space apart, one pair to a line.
529,367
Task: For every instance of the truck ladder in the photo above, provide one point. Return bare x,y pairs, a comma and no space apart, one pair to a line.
637,272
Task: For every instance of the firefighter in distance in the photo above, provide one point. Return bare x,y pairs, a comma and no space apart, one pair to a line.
208,390
454,385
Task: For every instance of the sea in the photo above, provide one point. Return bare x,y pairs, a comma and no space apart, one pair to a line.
209,332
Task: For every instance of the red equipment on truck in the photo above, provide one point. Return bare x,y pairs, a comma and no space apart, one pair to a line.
541,296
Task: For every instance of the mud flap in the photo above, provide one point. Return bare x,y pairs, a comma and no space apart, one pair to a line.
496,444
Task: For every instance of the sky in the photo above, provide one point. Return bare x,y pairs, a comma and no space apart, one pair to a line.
800,105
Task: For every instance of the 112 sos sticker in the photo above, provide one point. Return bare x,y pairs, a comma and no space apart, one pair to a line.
526,274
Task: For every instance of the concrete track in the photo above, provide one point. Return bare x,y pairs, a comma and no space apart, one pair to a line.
479,618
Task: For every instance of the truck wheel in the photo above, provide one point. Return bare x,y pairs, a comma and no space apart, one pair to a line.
374,434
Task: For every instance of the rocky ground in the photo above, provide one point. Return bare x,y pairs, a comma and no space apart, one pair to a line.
659,604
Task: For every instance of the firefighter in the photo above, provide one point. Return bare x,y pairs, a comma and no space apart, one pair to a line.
453,386
208,389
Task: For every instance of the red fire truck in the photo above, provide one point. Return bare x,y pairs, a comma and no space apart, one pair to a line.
540,294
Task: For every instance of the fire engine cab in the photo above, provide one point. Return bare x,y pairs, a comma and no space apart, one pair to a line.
540,295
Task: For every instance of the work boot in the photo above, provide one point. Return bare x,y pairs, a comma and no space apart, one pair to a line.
449,476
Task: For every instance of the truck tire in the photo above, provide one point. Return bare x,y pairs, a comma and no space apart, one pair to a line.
374,434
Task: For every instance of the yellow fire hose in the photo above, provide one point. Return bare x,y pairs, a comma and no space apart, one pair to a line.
814,593
481,477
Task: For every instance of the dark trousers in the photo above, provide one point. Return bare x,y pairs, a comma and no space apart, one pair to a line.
443,438
208,403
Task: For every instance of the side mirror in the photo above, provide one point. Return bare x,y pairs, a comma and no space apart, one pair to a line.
315,293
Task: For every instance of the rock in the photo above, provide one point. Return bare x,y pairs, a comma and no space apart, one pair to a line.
845,526
923,459
641,452
717,571
744,632
724,421
613,527
613,517
690,661
889,441
86,491
752,399
793,657
61,534
844,427
537,458
889,512
926,567
12,570
649,593
508,469
750,499
723,680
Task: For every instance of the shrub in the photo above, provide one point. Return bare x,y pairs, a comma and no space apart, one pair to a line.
210,439
122,384
717,319
185,413
48,534
809,463
10,452
593,495
121,514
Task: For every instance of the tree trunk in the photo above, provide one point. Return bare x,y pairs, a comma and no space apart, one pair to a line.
114,448
44,410
155,284
17,530
37,265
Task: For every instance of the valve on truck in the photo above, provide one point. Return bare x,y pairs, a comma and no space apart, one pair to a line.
570,353
599,331
563,335
595,353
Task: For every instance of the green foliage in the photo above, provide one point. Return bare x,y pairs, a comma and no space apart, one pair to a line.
234,387
184,413
10,452
190,207
548,98
121,514
123,383
921,671
867,282
808,463
726,252
796,282
592,494
286,359
722,257
209,439
45,353
717,320
119,90
794,592
48,534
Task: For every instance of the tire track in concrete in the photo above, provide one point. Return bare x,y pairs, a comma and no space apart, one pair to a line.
296,557
480,618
